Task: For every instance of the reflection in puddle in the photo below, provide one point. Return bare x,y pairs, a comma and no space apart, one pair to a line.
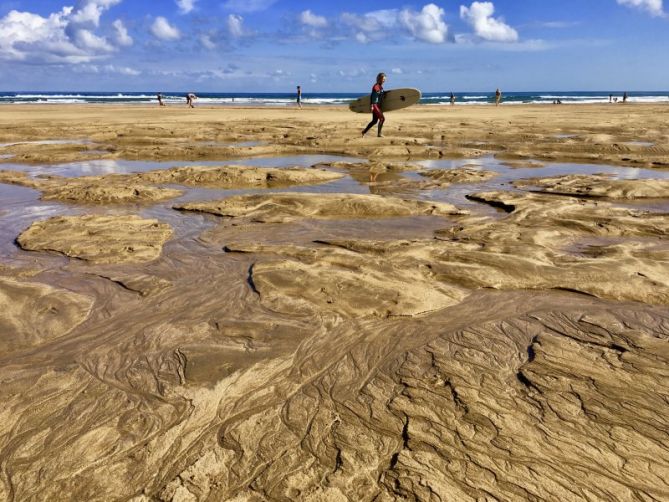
455,194
20,207
508,174
113,166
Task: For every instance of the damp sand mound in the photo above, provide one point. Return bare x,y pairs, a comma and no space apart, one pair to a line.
239,176
91,189
98,239
459,175
598,186
34,313
345,281
277,208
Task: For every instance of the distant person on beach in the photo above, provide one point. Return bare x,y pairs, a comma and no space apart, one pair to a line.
610,98
190,99
498,97
299,96
160,100
376,99
625,97
452,99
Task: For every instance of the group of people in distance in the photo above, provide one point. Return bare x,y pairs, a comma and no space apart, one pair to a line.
190,99
615,99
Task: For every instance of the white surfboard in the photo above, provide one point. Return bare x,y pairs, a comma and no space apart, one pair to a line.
394,99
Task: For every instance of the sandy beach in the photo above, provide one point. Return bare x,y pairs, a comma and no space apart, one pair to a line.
250,304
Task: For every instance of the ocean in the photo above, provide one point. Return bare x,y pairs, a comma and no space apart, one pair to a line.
286,99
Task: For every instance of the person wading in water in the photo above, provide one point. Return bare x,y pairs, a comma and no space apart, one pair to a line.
376,98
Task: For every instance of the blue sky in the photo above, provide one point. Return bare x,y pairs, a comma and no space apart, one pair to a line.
273,45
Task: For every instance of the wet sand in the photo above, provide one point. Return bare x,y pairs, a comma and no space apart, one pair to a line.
475,309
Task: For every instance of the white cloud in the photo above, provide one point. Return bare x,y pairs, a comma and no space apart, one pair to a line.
235,25
207,42
248,5
654,7
479,15
185,6
397,71
62,37
122,37
375,25
89,11
88,40
427,25
308,18
163,30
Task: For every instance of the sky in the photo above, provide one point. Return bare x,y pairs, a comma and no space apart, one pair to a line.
333,46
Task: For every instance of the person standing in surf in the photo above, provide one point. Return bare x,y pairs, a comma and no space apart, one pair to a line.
498,97
376,99
299,96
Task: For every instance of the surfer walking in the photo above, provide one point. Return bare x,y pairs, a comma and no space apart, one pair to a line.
376,99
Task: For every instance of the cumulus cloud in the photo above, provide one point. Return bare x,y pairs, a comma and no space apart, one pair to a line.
89,11
163,30
397,71
122,37
308,18
235,25
185,6
66,36
427,25
654,7
248,5
479,16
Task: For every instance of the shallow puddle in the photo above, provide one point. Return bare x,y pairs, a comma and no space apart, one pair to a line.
21,206
455,194
101,167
